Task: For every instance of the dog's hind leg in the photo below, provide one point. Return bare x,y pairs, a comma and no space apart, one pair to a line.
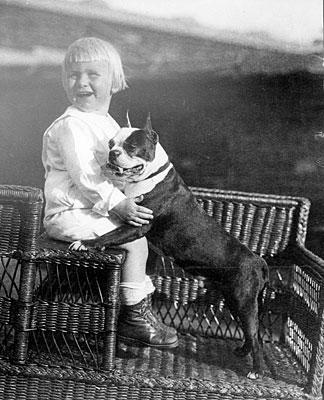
250,326
243,305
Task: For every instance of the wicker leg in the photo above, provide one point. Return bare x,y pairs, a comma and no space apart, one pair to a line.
111,302
284,327
316,373
24,311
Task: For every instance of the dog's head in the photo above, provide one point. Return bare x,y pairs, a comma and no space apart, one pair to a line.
131,149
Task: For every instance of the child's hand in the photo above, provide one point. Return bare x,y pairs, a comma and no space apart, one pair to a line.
133,214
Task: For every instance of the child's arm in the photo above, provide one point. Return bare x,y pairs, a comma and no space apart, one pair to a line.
77,146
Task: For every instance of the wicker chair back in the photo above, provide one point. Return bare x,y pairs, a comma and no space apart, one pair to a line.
267,224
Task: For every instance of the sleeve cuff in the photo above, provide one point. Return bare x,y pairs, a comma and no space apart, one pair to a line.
103,207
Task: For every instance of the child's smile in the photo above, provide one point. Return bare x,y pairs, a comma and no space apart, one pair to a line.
88,86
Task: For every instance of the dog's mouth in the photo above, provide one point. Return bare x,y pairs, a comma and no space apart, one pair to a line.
117,170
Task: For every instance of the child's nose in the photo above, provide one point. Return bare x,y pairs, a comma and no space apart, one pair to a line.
83,80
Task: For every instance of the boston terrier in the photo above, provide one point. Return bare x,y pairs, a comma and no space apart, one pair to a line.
181,229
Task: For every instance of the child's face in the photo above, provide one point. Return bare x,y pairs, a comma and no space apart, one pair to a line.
88,86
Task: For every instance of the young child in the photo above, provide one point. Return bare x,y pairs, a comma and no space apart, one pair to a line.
80,202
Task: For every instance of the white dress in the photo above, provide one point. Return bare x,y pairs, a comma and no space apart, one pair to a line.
78,196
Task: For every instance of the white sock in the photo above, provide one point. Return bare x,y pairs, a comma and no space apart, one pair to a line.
149,287
132,292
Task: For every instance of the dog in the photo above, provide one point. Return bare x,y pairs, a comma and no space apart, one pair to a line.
138,165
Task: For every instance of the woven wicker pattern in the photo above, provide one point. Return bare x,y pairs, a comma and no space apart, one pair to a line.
57,303
265,223
273,226
58,312
20,220
75,314
192,371
20,217
76,305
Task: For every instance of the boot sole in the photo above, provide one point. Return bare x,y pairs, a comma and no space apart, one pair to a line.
136,342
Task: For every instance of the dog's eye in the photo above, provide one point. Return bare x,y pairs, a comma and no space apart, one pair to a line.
111,143
130,148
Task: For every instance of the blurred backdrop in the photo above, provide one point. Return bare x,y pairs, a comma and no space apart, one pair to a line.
234,88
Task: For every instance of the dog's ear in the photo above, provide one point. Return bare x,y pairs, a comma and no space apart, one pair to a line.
148,124
129,125
152,135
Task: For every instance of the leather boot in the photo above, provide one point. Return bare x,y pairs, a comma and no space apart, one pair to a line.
138,325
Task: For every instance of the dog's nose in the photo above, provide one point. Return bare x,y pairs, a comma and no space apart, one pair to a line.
113,154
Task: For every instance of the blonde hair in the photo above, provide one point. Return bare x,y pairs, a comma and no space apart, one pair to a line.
94,49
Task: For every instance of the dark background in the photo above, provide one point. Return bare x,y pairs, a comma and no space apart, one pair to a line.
239,131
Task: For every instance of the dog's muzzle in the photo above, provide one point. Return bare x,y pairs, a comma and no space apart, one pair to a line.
117,170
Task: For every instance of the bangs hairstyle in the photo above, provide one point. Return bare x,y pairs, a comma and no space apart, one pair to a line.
93,49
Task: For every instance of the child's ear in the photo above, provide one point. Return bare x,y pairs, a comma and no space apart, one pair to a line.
153,136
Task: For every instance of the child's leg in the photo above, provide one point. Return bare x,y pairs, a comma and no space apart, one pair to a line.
135,263
133,277
137,324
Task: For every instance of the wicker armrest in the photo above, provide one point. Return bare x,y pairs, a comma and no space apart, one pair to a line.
305,312
69,304
88,258
300,255
51,250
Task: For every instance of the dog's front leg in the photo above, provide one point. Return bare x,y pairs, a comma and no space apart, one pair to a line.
123,234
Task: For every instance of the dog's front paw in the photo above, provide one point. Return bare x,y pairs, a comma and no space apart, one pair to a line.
77,246
97,247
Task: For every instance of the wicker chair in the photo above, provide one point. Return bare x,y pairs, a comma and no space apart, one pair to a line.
66,323
20,221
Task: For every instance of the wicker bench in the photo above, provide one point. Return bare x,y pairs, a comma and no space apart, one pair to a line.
58,312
